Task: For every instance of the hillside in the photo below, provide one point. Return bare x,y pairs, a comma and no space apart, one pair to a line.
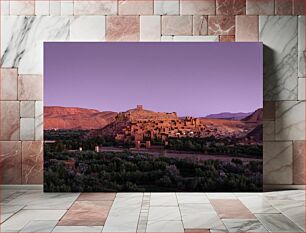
228,115
76,118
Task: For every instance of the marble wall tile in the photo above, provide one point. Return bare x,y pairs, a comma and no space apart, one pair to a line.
283,7
22,40
5,7
298,7
230,7
27,129
39,120
299,162
106,7
301,89
279,35
22,7
176,25
10,162
290,120
227,38
190,38
221,25
301,46
122,28
8,87
42,7
260,7
27,109
268,131
166,7
32,162
67,7
269,110
150,28
277,162
200,25
247,28
87,28
9,120
135,7
55,8
30,87
192,7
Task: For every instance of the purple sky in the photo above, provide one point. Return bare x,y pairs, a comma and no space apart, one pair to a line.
188,78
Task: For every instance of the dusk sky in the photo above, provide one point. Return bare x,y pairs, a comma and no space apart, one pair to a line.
194,79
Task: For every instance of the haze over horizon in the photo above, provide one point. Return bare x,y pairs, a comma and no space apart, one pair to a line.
118,76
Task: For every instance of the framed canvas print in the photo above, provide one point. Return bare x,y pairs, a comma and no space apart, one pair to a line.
154,117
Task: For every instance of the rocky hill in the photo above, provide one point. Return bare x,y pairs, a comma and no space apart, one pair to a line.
76,118
228,115
255,117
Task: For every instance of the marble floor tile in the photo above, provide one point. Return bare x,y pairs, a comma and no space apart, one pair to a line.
258,205
168,199
232,209
4,194
11,197
96,197
220,196
122,219
205,217
278,223
8,210
237,195
192,198
208,220
23,217
165,226
296,195
164,213
39,226
238,225
128,195
39,200
90,213
189,209
74,229
197,231
128,202
294,210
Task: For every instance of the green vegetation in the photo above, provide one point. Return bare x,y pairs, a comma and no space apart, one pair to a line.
126,171
213,146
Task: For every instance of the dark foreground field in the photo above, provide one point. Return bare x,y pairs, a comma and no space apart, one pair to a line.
90,171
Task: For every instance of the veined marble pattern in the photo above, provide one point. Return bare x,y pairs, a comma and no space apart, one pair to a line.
290,120
39,120
22,40
190,38
166,7
301,46
278,163
87,28
279,35
33,211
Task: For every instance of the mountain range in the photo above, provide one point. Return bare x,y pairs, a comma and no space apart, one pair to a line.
56,117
